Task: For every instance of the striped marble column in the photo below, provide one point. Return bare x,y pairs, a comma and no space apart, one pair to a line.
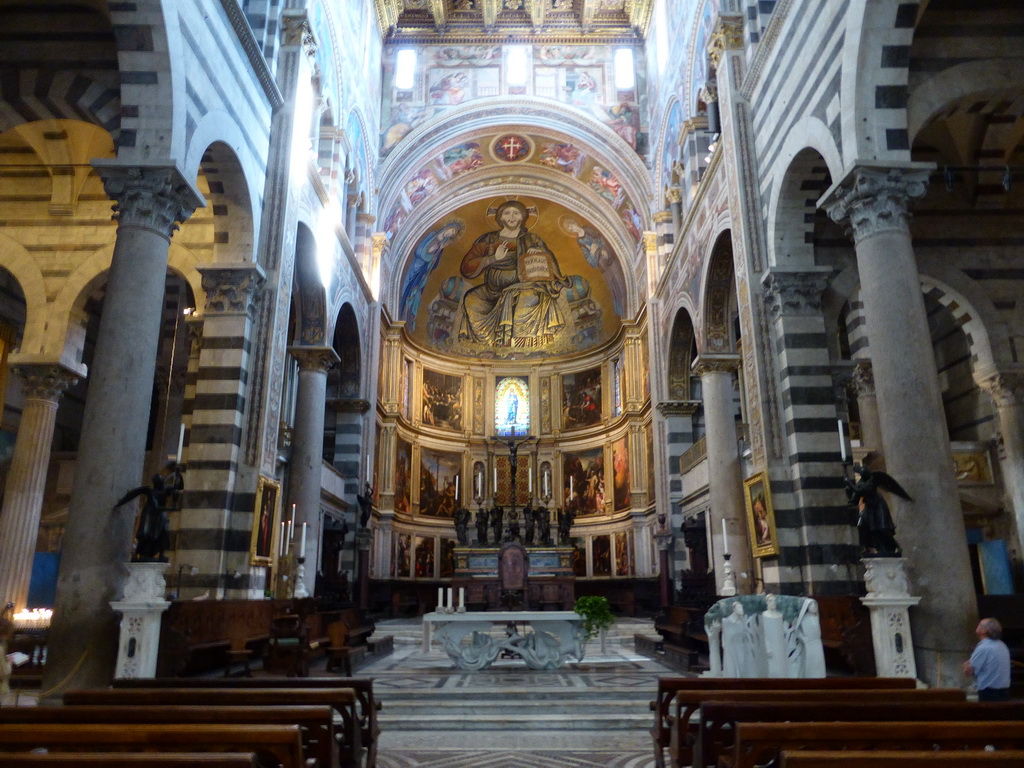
44,383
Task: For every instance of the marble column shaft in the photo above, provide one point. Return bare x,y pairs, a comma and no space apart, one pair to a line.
26,479
151,200
306,465
1007,393
915,436
725,473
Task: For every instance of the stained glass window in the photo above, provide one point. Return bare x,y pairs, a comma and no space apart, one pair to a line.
512,406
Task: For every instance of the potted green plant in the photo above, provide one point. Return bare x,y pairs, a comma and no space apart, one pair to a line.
597,614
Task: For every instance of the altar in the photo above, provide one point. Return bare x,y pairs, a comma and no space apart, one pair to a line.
466,638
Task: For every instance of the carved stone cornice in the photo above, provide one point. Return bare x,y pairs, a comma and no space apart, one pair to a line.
253,53
678,407
1005,388
153,197
710,364
662,217
875,199
728,36
317,359
864,379
45,381
348,405
789,292
231,288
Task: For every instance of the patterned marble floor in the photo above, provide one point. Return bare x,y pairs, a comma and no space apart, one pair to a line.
618,670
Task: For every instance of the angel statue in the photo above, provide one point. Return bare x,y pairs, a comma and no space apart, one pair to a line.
151,537
875,525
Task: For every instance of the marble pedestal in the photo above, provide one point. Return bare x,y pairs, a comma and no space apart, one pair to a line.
141,608
889,600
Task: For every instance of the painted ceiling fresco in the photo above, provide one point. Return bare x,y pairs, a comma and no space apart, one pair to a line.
511,148
512,279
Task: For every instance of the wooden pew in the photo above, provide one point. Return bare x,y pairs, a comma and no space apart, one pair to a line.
129,760
757,743
668,687
316,722
363,686
901,759
341,700
685,728
282,742
718,719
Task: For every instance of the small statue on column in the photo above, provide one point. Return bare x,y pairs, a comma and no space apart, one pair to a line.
875,525
462,526
497,522
530,523
543,526
481,527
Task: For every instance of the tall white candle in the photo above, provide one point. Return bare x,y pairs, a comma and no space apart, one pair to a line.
842,442
302,542
456,486
495,479
451,599
570,487
462,597
725,539
440,598
367,466
531,481
284,538
181,441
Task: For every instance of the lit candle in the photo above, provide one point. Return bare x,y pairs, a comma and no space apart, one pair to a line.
302,542
545,484
440,598
842,442
725,539
284,538
462,597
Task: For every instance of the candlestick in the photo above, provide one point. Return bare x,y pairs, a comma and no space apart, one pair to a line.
302,542
842,442
725,539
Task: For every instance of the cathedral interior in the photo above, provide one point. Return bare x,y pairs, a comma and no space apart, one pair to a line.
671,271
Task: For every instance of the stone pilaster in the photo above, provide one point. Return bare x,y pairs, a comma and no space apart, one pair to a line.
26,480
725,473
306,466
1007,392
915,437
150,202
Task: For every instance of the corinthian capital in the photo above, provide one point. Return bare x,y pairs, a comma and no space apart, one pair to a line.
231,288
709,364
42,381
864,379
153,197
875,200
790,292
1006,388
314,358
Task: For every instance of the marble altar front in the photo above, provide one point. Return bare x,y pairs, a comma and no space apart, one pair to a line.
554,636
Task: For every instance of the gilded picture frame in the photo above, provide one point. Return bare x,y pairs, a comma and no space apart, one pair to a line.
264,520
764,541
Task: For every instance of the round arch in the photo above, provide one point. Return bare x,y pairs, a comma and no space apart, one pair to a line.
16,260
718,296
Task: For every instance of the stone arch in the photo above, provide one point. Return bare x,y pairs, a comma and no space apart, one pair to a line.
309,300
16,260
968,316
718,299
662,173
344,380
230,204
682,347
361,149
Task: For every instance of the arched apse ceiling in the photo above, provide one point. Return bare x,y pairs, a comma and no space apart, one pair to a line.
511,277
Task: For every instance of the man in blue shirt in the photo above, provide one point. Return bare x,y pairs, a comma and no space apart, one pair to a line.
990,662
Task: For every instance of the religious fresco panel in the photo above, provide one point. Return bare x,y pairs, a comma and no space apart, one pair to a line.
442,400
581,399
424,557
440,482
583,481
402,566
403,473
623,554
447,565
579,559
601,549
620,473
512,279
652,486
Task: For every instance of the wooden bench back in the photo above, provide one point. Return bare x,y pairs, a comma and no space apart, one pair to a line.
718,719
316,722
757,743
686,727
901,759
282,741
126,760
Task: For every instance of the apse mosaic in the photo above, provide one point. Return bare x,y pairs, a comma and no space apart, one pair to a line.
510,279
583,481
512,406
442,400
440,482
581,399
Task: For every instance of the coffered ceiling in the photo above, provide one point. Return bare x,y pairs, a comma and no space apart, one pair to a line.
525,20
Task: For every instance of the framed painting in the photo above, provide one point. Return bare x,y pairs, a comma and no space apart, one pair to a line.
267,492
442,400
761,516
581,399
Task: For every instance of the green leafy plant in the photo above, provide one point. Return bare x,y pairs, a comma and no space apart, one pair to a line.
596,613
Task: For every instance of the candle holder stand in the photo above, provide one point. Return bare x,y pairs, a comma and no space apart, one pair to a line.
300,579
728,577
